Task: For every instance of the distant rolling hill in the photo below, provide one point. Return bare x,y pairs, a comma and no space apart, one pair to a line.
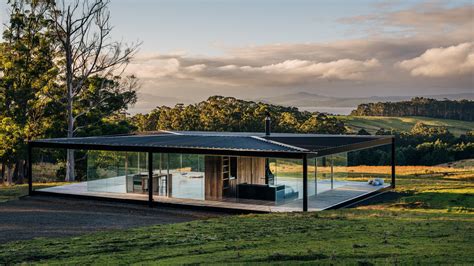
373,123
306,99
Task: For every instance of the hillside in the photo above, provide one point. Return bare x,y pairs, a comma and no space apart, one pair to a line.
306,99
373,123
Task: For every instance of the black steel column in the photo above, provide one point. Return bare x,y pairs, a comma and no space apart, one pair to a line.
332,172
393,162
305,183
150,179
315,176
30,171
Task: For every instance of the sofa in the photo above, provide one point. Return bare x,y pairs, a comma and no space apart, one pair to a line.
275,193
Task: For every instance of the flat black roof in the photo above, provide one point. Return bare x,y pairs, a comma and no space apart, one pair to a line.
224,143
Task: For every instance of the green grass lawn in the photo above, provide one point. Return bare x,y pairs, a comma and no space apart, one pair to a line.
429,219
373,123
13,192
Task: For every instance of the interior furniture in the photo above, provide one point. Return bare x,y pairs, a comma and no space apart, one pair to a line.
261,192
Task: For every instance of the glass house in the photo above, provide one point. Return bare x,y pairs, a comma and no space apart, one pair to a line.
257,172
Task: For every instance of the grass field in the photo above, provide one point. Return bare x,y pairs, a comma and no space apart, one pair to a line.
16,191
429,219
373,123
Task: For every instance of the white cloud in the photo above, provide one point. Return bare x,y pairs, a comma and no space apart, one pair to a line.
220,71
343,69
442,62
149,69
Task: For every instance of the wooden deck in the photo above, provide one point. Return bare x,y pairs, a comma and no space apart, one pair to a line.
344,192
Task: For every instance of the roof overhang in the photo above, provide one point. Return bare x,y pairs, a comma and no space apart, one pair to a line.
279,145
205,151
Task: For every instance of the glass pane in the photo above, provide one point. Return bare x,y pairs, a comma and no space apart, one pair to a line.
323,174
48,167
372,164
117,172
186,176
339,165
312,177
289,173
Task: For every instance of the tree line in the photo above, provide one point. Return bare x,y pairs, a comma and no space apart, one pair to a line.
422,145
419,106
219,113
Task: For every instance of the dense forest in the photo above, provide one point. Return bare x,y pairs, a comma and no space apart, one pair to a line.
422,145
419,106
220,113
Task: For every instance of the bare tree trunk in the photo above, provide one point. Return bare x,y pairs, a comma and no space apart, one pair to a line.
70,174
2,174
83,30
15,172
20,171
9,175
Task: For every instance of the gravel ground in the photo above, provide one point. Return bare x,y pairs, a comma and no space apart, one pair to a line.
42,216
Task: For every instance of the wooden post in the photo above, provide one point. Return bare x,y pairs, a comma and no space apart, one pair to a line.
150,179
305,183
393,163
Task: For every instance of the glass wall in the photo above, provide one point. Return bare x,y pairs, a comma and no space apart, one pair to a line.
48,166
324,174
288,178
274,183
339,170
369,165
179,175
49,171
117,172
351,170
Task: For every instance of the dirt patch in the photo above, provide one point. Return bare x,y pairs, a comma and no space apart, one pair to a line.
42,216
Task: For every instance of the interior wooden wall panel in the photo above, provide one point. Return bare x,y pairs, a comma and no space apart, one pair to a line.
258,170
213,177
250,170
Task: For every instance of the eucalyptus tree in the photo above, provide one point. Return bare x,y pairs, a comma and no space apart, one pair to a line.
419,106
28,89
83,31
220,113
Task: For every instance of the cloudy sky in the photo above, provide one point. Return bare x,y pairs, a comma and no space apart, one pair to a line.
194,49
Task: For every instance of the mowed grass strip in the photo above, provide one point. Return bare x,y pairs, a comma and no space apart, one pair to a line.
15,191
12,192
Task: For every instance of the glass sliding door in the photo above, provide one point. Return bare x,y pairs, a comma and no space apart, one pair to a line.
117,172
339,170
323,174
177,175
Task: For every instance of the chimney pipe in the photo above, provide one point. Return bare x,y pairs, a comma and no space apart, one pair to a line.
268,121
